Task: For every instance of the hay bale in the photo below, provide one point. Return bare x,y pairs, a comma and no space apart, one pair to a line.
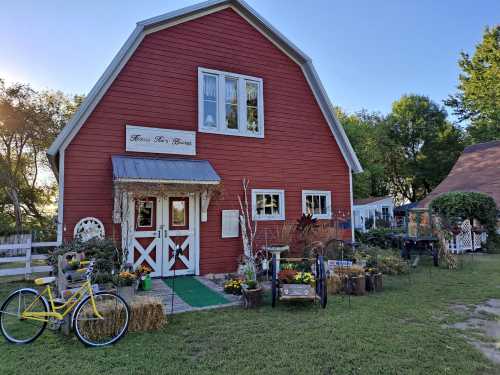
146,314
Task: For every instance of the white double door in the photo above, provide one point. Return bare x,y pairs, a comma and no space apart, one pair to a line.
162,226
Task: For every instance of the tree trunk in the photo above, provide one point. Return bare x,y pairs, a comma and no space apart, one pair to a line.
14,198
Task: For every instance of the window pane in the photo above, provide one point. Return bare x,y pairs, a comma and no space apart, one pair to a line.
231,116
276,204
210,114
316,204
259,200
178,213
268,205
231,103
209,87
209,101
309,204
322,201
252,91
145,215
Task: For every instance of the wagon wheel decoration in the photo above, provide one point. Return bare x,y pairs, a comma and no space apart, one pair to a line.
88,228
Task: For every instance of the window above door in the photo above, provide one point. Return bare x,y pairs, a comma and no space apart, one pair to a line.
230,103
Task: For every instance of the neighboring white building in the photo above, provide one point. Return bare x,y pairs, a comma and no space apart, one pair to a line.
367,210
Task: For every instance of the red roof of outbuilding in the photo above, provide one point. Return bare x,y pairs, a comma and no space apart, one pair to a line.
477,169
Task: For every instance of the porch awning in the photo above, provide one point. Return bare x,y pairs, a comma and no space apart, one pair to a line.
163,170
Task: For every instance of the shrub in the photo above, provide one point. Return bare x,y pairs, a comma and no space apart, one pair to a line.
392,265
455,207
108,258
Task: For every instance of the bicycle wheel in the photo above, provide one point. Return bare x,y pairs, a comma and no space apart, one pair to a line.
93,330
16,329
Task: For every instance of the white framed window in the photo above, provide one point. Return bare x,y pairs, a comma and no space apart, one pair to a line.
268,204
230,103
385,213
317,203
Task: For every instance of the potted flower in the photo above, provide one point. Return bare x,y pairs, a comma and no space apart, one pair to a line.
252,293
233,286
125,282
297,284
353,279
143,274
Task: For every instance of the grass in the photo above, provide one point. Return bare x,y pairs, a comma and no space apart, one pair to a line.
399,331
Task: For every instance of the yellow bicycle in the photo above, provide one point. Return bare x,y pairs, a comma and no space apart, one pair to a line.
98,318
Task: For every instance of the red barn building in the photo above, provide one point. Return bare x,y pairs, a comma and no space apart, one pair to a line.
194,102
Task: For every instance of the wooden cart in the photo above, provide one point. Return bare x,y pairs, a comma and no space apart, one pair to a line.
300,292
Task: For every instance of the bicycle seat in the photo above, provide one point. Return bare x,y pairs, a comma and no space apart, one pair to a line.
44,280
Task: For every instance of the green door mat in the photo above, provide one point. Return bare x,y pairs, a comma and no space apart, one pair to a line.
194,293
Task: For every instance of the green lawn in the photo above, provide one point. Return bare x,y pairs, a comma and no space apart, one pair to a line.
399,331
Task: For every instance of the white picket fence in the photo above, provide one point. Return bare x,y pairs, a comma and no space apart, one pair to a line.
19,249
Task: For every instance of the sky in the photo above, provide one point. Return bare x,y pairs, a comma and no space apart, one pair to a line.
367,53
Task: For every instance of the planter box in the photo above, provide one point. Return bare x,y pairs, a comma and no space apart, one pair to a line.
252,297
297,292
354,285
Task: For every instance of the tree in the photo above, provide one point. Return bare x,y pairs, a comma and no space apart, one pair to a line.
419,147
363,131
478,97
29,122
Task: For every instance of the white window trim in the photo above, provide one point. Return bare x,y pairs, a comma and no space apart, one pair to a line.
281,194
327,194
221,109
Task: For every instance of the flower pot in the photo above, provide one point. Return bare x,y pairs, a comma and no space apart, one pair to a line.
369,282
378,282
355,285
126,292
146,283
334,284
252,297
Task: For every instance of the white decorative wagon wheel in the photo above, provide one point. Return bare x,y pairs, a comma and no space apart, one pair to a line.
88,228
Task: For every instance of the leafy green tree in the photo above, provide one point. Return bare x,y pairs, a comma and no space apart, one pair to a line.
363,131
419,146
478,99
29,122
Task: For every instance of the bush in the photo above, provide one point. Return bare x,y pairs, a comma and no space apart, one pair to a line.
388,261
392,265
455,207
107,257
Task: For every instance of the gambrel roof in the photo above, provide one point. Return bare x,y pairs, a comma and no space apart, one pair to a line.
154,24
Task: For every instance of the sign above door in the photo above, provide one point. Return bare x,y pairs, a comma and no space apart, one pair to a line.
160,141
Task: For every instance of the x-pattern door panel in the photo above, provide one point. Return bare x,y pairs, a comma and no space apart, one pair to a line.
146,240
160,225
180,232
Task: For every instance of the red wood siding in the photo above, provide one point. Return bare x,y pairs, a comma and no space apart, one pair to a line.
158,88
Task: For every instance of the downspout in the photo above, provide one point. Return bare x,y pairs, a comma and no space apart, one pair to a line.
60,201
352,202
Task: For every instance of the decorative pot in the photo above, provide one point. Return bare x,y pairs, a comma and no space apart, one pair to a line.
378,282
333,284
370,282
355,285
146,283
252,297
